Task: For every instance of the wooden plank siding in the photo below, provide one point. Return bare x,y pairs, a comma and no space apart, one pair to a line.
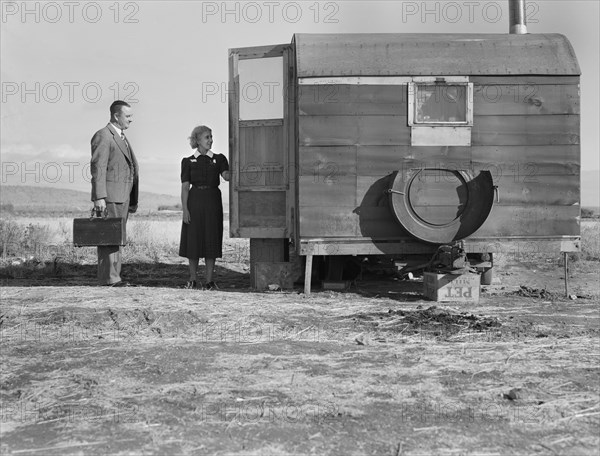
526,132
546,190
342,190
378,223
327,161
348,130
488,99
525,99
520,162
331,100
534,130
488,130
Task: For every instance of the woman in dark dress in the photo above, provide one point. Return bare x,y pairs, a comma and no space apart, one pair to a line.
202,228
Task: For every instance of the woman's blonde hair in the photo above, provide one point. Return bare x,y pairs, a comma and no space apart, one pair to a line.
196,132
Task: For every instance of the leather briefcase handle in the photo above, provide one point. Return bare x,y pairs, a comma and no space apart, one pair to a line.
98,213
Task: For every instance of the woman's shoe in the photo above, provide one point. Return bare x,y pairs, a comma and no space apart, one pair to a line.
191,284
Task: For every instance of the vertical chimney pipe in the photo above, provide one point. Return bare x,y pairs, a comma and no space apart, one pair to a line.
517,17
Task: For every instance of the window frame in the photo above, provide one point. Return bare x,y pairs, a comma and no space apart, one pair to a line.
447,81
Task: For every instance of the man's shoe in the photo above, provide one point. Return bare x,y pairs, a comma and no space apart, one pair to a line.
211,286
120,283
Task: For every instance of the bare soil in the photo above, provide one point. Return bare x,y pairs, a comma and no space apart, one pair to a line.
376,370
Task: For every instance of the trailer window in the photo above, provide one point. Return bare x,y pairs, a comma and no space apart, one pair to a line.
440,104
440,112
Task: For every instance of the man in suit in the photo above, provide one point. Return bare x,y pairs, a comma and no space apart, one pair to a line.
114,170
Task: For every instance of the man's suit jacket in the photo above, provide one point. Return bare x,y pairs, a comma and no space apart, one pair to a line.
114,168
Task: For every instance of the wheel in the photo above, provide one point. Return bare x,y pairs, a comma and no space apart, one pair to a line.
441,215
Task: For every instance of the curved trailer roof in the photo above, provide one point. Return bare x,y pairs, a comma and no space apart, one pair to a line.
398,54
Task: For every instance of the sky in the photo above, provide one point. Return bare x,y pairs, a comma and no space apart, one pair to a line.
63,63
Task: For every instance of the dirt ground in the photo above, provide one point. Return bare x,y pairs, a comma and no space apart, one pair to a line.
376,370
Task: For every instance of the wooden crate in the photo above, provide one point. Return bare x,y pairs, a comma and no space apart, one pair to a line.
272,273
451,287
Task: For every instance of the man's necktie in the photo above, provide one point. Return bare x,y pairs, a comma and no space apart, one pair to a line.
124,140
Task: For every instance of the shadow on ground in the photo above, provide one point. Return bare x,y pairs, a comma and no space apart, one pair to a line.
230,277
388,286
163,275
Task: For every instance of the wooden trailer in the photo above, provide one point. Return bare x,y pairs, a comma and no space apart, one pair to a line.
392,144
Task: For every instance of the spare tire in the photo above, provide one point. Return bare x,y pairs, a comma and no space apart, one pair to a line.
438,206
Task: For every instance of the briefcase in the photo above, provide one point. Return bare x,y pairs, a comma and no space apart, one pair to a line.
99,230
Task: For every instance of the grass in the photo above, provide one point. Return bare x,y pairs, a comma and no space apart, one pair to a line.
34,248
38,241
590,240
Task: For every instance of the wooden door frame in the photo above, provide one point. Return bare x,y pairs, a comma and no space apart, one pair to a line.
288,156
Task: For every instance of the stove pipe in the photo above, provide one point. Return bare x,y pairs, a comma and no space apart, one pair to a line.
517,17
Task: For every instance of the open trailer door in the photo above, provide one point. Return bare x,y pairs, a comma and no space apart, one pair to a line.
261,142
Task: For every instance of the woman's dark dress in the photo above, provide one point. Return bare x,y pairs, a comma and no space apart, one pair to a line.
203,236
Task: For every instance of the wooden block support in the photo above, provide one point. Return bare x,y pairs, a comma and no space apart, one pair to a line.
279,274
308,274
265,251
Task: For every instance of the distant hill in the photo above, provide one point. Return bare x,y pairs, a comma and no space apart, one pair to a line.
28,198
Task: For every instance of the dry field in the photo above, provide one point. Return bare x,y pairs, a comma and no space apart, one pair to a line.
158,370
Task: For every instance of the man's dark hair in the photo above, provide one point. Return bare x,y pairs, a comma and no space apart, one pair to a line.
115,108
